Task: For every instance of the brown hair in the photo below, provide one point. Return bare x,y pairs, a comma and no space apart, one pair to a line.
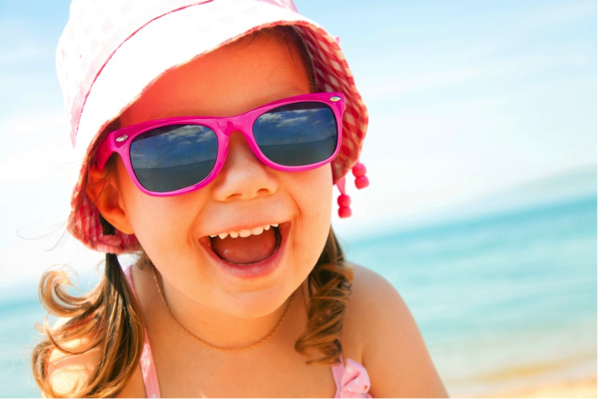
109,318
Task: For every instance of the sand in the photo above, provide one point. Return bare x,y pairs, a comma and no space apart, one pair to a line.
578,388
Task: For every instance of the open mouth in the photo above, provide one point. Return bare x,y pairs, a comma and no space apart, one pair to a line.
249,247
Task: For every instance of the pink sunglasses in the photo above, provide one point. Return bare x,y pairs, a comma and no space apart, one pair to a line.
175,156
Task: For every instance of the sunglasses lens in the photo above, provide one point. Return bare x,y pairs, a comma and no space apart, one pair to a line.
298,134
173,157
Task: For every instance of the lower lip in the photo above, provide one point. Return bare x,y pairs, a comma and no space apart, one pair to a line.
252,270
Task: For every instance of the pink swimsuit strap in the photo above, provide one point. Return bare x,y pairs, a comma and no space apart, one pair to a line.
148,368
351,379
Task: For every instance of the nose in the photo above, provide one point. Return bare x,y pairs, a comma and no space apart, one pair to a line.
243,176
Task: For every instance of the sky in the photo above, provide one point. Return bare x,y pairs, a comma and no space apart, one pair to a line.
466,98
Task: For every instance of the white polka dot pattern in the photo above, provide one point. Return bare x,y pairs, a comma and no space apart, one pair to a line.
352,380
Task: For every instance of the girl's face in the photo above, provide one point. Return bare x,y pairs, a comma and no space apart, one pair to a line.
174,231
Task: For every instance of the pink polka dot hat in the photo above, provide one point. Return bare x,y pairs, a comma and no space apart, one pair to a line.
111,51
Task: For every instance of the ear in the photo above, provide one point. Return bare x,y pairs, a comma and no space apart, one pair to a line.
106,195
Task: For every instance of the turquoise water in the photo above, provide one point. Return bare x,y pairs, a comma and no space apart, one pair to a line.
493,297
18,337
500,296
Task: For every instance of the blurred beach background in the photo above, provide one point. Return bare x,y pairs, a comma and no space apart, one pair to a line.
481,154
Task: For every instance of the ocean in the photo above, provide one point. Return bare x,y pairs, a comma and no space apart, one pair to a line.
503,300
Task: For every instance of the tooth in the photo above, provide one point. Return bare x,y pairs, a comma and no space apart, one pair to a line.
275,225
245,233
222,235
234,234
257,230
213,236
267,227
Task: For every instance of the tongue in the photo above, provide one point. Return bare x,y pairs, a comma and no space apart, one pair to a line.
245,250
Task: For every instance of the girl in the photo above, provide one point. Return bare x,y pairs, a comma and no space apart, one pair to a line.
213,132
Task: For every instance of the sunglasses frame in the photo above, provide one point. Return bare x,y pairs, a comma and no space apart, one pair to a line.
120,140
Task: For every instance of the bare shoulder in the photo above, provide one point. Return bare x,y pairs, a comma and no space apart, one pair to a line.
68,372
392,348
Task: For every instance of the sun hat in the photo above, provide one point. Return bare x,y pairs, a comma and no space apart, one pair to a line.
112,50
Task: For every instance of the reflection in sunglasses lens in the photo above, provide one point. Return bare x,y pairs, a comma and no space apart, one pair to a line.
297,134
173,157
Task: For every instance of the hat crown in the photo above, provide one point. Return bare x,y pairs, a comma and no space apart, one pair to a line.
288,4
95,30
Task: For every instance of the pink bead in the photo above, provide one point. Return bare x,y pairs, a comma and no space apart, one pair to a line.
344,212
344,200
359,170
362,182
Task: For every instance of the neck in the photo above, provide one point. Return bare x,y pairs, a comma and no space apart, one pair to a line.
244,326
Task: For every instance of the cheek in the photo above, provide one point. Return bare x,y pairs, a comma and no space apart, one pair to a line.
318,189
159,223
313,197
